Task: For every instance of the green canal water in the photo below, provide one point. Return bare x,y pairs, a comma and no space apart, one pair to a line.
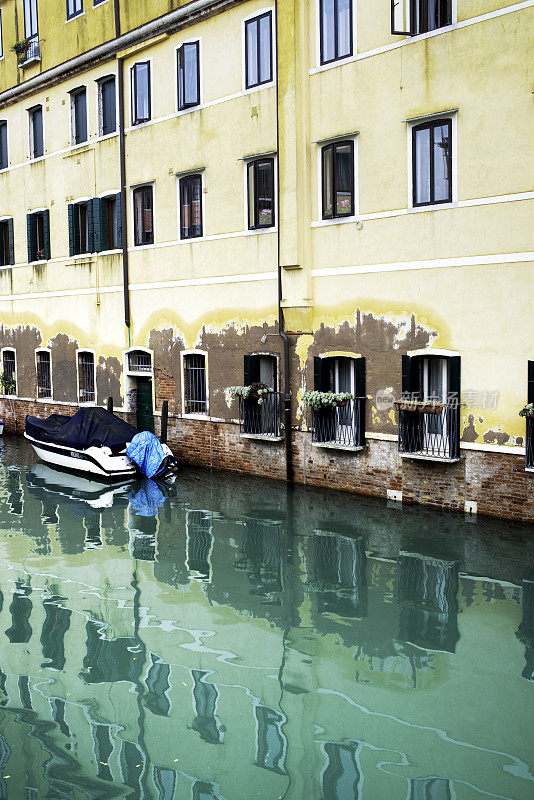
228,638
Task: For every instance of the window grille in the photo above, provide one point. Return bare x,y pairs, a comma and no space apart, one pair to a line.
9,368
195,384
86,378
44,375
139,361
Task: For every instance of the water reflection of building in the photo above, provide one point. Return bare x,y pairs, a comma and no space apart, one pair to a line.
427,588
341,776
199,545
337,574
526,630
262,559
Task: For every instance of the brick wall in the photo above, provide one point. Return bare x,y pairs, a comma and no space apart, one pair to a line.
497,482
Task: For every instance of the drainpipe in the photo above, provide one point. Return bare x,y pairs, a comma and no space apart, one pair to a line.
122,157
281,325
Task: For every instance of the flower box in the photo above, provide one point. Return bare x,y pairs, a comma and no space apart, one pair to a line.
419,406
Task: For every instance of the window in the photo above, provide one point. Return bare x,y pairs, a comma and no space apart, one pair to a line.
139,361
36,132
81,228
342,425
44,375
412,17
38,231
260,180
337,164
31,30
7,251
271,744
258,50
261,419
261,369
188,58
195,390
191,207
143,216
432,162
335,29
107,223
106,103
74,8
342,776
4,159
86,377
1,37
141,93
9,368
78,109
205,701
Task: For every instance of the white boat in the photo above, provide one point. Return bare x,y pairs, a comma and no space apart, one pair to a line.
46,482
91,443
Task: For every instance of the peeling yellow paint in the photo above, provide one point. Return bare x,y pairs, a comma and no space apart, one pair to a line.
304,343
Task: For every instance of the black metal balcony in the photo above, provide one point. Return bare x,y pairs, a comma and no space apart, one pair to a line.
261,418
433,433
529,461
340,426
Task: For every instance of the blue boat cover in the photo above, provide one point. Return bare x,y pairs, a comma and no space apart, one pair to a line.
89,427
147,499
147,452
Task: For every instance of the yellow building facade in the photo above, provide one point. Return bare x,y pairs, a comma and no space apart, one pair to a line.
205,195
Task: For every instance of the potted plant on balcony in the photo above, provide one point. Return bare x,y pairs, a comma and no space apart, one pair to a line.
419,406
320,400
21,48
256,391
527,411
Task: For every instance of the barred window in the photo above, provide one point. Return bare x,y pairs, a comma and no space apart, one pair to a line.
195,394
139,361
9,367
86,377
44,375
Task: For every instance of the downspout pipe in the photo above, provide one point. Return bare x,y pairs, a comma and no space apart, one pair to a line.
122,157
281,323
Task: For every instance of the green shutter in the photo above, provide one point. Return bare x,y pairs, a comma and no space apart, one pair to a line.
119,220
90,227
454,378
248,370
70,213
31,230
97,224
530,394
46,234
360,392
11,241
76,229
411,375
406,374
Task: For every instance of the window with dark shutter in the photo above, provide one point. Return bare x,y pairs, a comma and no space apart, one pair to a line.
38,231
4,156
260,180
36,132
191,207
79,116
6,243
260,369
432,162
143,216
81,228
107,102
140,87
335,29
188,57
413,17
337,162
258,50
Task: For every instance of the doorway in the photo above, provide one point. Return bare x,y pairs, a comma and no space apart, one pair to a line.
144,410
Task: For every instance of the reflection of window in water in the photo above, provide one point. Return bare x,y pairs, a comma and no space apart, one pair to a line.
263,559
165,782
14,492
132,762
21,608
59,708
110,660
199,545
24,692
103,744
430,789
337,573
205,696
5,752
202,790
3,682
158,685
55,626
271,743
49,514
341,778
142,546
93,533
428,589
525,632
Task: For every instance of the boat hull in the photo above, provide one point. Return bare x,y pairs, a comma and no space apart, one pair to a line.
95,462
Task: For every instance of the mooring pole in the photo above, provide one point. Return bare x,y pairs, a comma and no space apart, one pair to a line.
164,421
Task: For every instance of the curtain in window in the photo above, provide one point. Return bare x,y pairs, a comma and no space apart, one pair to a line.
422,166
328,34
265,48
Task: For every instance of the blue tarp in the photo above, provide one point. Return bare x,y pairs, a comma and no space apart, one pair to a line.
147,499
146,451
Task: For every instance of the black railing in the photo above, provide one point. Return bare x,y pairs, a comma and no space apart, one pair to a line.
341,426
261,419
530,443
32,50
434,434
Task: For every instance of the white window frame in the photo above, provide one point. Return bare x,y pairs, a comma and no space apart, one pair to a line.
44,399
1,38
193,352
98,83
339,61
133,127
190,174
30,131
135,246
410,125
246,162
12,350
272,82
319,221
4,169
200,104
131,375
79,351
